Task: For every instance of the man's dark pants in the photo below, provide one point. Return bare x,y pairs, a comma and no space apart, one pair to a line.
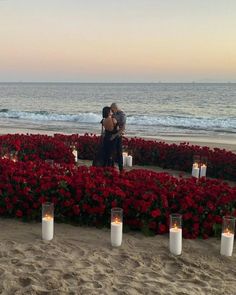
118,147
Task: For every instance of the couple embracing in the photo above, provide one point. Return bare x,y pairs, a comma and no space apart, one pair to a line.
113,127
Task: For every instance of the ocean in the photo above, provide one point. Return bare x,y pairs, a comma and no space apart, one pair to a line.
155,110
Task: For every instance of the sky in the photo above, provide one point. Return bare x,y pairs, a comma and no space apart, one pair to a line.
118,40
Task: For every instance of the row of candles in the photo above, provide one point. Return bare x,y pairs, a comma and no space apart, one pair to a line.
10,156
199,170
175,231
199,167
127,159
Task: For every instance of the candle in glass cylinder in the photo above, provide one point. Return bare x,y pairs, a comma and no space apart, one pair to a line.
75,153
203,170
47,221
129,161
124,154
175,241
227,236
195,170
116,226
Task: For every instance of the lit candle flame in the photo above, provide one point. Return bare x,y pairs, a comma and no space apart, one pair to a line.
117,220
47,217
227,232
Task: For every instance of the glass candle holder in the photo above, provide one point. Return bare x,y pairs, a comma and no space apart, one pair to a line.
129,161
116,226
196,166
175,240
196,159
125,155
203,170
203,166
75,154
195,170
47,221
227,236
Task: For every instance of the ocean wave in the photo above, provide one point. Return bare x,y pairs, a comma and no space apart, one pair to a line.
184,122
47,116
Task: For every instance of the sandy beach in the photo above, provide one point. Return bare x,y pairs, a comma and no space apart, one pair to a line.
80,260
222,142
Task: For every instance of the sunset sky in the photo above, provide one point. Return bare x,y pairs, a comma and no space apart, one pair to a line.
118,40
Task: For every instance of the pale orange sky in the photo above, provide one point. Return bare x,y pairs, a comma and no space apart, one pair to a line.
118,41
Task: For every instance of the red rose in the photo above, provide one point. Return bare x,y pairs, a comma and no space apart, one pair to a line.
152,225
162,228
218,219
155,213
19,213
113,204
76,209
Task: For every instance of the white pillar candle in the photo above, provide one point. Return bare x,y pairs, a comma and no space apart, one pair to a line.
203,170
116,233
129,161
175,240
75,153
47,228
195,170
124,158
227,244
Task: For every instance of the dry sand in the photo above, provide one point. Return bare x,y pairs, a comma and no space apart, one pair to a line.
80,260
227,142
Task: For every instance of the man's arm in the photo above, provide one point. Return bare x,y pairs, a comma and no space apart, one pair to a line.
122,123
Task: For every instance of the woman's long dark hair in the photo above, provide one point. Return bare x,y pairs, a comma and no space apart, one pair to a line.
106,112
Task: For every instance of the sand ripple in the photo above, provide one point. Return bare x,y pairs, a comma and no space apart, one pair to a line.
81,261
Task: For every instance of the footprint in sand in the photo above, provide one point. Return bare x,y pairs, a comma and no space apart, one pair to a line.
121,260
128,290
151,275
91,286
80,252
26,267
25,281
125,279
14,261
100,277
83,264
52,284
17,252
171,268
97,285
36,252
71,277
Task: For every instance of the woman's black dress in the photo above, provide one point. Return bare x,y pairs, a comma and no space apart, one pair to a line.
109,147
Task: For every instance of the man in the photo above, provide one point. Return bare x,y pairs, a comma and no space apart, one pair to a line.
120,117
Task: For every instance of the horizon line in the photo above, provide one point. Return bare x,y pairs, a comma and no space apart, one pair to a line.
115,82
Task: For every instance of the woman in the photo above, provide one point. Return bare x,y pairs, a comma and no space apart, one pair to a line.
110,127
